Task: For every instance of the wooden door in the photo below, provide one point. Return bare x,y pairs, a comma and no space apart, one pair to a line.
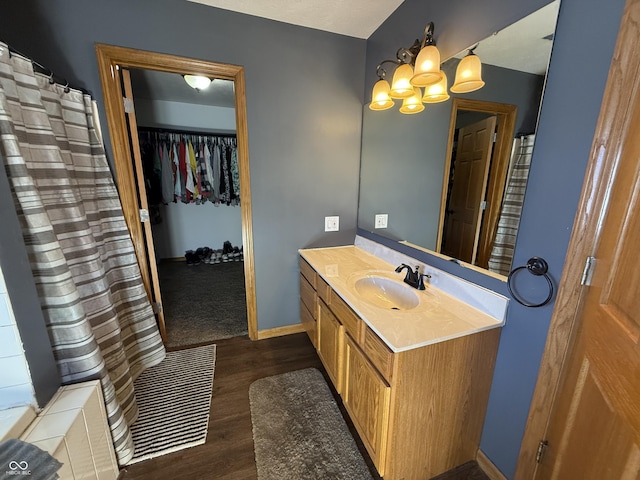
594,432
471,171
148,263
591,429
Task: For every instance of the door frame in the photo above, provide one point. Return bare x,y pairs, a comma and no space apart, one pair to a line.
506,123
622,88
111,58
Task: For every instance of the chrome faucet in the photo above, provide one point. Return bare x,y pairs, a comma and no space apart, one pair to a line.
413,278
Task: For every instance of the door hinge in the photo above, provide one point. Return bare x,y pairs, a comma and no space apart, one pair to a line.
483,205
542,447
144,215
494,137
587,273
157,307
128,105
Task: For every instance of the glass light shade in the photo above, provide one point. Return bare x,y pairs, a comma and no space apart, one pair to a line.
380,99
197,81
413,104
427,70
436,92
468,75
401,86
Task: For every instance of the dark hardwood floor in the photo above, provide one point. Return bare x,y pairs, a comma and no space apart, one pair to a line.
228,452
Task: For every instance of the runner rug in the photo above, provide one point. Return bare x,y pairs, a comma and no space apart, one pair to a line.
299,432
174,399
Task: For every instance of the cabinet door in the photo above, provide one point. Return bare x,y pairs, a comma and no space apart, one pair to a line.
366,397
330,344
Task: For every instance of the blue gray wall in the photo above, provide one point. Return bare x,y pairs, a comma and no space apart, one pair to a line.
304,106
575,85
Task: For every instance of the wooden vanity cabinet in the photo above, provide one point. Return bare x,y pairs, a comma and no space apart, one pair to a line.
418,412
366,397
331,344
309,301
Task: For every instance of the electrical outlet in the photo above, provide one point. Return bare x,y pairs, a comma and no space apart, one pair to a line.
381,220
331,224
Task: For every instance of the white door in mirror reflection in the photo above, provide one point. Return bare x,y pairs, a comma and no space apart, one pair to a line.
467,189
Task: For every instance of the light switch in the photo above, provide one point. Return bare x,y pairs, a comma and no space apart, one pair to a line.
381,220
331,224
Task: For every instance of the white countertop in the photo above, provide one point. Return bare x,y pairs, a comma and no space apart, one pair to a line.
438,316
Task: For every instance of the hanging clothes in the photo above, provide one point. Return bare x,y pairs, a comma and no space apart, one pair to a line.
190,168
166,174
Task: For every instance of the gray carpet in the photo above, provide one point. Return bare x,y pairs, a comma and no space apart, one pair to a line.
298,431
202,303
174,399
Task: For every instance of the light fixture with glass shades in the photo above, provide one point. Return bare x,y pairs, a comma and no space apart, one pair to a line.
468,74
419,67
197,82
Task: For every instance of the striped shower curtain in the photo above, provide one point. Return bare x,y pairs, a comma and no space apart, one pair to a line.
509,221
98,316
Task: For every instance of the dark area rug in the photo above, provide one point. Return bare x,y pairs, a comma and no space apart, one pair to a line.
298,431
202,303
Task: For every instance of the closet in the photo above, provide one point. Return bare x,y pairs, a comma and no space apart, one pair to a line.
189,162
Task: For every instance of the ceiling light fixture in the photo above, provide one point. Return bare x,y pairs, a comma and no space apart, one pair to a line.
197,82
419,66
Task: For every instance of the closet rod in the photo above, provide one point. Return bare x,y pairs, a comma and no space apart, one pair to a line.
185,132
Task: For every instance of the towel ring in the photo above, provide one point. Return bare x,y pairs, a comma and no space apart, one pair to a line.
538,267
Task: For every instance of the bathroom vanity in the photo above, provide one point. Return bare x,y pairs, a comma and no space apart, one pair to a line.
413,368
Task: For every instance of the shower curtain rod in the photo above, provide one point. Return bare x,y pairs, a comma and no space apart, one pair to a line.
185,132
53,78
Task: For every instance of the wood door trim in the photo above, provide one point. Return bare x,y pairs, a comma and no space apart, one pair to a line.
152,270
621,89
111,57
502,152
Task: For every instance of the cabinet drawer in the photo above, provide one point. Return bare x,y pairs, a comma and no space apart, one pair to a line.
308,296
352,323
308,272
324,290
310,324
378,353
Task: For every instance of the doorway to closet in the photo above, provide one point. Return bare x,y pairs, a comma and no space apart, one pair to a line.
188,151
195,249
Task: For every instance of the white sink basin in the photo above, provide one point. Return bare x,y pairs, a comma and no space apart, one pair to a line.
386,293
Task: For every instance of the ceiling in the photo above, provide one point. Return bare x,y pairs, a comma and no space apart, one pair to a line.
355,18
171,87
523,46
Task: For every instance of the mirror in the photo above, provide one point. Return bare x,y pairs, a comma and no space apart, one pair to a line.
408,162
